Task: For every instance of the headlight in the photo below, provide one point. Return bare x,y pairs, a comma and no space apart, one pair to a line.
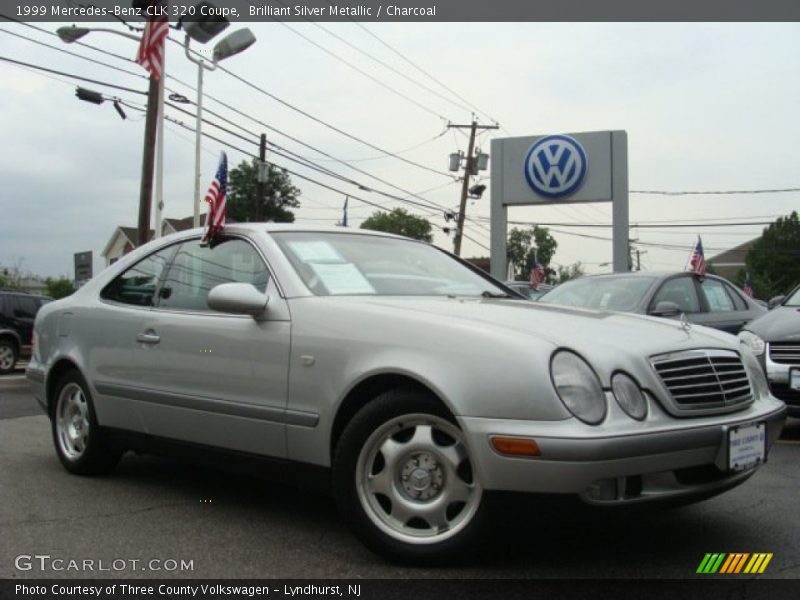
755,373
752,341
578,387
629,396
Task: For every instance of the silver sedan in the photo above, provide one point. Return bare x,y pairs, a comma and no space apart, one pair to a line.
411,381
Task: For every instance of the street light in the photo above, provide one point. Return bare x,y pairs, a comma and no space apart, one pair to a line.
230,45
72,34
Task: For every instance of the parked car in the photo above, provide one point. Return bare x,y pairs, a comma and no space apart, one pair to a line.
414,383
525,288
711,301
775,338
17,312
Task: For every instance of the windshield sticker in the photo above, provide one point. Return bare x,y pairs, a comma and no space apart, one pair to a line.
342,278
316,251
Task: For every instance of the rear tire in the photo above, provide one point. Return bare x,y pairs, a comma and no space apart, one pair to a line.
78,440
8,355
404,480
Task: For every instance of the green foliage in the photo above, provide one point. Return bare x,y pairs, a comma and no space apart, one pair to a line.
572,271
524,243
774,260
58,288
400,222
4,281
279,194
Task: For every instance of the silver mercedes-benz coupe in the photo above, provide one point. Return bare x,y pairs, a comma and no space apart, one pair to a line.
415,382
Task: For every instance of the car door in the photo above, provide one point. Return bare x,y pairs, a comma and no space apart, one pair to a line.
216,379
110,332
723,309
23,312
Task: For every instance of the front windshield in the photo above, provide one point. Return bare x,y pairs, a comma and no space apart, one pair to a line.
339,264
622,293
794,298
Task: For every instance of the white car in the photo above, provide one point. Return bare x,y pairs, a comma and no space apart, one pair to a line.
404,375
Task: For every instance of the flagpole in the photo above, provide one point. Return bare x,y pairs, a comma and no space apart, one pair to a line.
160,152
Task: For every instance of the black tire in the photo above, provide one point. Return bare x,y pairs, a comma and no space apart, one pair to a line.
384,448
78,440
9,354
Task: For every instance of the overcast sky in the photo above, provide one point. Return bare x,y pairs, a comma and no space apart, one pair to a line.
705,106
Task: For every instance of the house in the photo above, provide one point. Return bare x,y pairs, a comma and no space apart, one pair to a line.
123,240
728,264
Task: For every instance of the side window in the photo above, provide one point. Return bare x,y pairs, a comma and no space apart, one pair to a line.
738,301
717,298
24,308
138,284
681,291
196,269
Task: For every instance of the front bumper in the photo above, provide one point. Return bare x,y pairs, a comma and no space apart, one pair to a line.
666,458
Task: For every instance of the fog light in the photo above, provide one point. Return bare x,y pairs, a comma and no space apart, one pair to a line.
516,446
602,489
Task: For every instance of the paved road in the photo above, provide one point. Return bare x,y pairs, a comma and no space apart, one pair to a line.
235,526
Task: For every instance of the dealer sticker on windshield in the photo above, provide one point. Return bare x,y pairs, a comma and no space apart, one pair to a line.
794,379
746,446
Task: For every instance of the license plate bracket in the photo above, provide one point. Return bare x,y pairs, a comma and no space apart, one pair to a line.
746,446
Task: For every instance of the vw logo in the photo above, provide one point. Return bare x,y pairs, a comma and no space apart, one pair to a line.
555,166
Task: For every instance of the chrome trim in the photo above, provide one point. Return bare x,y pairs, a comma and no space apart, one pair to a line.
714,372
784,353
211,405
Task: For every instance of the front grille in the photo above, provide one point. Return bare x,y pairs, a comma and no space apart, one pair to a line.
785,353
704,380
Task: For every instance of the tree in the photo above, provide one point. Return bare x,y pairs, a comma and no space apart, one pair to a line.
572,271
774,260
279,194
524,244
400,222
59,288
4,283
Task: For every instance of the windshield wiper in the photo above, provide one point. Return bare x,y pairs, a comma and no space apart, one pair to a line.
488,294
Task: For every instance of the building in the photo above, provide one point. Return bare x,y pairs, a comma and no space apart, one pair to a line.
728,264
123,240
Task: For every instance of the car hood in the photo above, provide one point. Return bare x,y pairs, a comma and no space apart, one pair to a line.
781,323
581,329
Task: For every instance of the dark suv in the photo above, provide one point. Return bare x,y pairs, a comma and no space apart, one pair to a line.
17,312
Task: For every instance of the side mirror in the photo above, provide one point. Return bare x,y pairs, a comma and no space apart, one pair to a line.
665,308
238,299
776,301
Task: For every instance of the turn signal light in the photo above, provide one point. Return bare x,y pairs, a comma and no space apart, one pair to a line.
516,446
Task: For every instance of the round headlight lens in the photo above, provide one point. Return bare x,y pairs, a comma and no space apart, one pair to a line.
578,387
629,396
752,341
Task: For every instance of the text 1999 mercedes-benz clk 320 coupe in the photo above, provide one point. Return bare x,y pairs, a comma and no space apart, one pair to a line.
416,382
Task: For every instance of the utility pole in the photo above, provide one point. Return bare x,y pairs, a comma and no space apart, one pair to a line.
262,177
148,161
469,169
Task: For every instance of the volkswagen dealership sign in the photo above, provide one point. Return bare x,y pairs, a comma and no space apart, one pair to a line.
560,169
555,166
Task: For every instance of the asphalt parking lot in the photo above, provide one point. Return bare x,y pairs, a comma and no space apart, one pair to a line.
230,525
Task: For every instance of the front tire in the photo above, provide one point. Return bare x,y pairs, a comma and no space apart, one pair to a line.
78,440
405,482
8,356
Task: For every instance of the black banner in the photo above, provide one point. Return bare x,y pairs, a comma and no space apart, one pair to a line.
415,11
709,588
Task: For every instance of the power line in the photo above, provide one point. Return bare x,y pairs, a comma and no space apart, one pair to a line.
714,192
72,75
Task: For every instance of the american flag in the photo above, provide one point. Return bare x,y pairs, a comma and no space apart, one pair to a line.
215,220
537,274
698,260
151,47
748,285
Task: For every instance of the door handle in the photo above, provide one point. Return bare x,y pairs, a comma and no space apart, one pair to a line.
148,337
